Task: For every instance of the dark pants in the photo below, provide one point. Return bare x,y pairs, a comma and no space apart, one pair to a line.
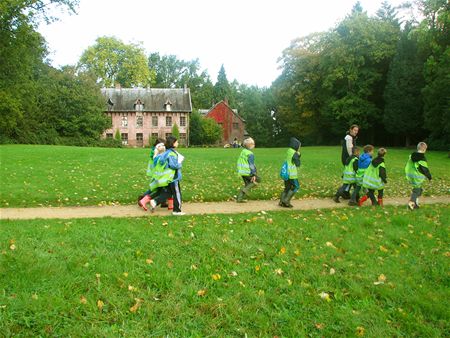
416,193
291,185
344,190
172,190
371,194
248,180
355,195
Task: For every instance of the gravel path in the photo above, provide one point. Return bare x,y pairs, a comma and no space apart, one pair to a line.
191,208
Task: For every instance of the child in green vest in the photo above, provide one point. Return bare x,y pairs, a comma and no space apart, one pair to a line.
348,176
289,173
167,175
363,163
416,171
246,169
374,179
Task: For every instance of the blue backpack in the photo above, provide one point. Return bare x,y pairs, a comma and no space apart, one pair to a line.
284,172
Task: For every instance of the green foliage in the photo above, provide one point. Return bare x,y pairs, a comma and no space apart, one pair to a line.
118,135
203,131
385,272
60,175
113,62
176,131
222,88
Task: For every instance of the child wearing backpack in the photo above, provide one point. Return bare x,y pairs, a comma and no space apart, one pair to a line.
374,179
246,169
363,163
416,171
289,173
348,176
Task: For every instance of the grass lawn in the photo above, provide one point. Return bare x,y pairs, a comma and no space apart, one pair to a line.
374,273
58,175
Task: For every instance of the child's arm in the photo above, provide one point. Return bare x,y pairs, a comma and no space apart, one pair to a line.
173,162
296,159
355,166
425,171
383,174
251,163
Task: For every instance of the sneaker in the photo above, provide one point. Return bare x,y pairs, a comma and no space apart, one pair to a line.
153,205
353,203
336,199
178,213
411,205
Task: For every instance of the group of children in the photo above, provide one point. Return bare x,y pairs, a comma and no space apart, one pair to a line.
361,173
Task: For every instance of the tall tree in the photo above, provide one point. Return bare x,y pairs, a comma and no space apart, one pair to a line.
114,62
222,89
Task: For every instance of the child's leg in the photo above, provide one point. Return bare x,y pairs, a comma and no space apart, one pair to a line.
371,194
380,197
176,194
162,195
355,195
340,192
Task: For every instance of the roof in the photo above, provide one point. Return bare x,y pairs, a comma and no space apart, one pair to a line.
234,111
153,99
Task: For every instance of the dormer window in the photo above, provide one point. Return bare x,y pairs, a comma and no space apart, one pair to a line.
168,105
110,104
139,105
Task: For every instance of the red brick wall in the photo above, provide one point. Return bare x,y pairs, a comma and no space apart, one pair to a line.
223,115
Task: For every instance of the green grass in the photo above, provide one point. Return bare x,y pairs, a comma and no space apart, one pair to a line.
272,266
58,175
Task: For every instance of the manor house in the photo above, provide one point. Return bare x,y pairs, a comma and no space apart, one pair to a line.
141,114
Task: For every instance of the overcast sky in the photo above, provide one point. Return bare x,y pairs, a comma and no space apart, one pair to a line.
246,36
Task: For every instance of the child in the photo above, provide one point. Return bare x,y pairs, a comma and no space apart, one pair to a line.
375,179
416,170
247,169
167,175
157,150
348,176
363,162
289,173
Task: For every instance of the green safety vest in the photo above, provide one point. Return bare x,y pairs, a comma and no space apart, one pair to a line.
243,167
162,175
372,179
349,175
292,169
413,175
360,175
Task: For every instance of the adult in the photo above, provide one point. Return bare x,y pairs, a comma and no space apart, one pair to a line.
349,143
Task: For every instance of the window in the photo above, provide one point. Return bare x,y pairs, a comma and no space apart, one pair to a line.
139,139
124,121
220,124
169,121
182,121
139,106
139,121
124,138
109,135
168,134
183,138
154,121
155,136
235,125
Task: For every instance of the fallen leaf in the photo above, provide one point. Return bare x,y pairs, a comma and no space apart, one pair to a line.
332,271
100,304
136,306
325,296
34,296
282,250
201,293
83,300
382,248
149,261
360,331
279,271
216,276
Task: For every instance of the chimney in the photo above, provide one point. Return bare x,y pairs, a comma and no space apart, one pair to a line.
225,100
185,89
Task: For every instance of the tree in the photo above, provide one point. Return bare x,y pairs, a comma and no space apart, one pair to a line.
203,131
118,136
403,112
175,131
114,62
222,89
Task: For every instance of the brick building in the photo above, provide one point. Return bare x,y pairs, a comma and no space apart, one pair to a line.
232,124
143,113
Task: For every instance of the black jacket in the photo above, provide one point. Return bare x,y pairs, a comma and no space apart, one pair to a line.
295,144
416,157
382,171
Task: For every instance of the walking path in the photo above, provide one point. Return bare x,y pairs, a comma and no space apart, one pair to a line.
192,208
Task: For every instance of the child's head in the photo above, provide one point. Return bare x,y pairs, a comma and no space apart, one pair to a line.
422,147
248,143
382,152
158,141
355,151
160,148
368,149
171,142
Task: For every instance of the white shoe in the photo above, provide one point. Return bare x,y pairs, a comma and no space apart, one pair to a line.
152,205
411,205
178,213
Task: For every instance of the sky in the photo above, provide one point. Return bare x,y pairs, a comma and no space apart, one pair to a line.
246,36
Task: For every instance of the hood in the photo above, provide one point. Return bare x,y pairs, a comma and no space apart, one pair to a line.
294,143
163,157
416,157
377,161
364,160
